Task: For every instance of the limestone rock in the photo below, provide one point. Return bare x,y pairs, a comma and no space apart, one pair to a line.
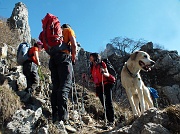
3,51
19,22
87,120
172,93
23,121
152,128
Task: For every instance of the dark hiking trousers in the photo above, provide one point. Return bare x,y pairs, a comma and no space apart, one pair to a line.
30,70
60,66
108,100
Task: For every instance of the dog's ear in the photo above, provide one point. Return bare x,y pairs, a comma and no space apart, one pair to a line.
133,56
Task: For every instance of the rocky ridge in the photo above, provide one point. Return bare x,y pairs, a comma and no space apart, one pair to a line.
34,115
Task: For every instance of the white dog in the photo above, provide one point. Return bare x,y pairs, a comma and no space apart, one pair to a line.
131,80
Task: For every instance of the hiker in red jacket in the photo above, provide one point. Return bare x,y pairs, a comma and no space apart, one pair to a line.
30,67
100,76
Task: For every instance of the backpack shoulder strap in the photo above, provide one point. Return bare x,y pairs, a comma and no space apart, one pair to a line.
91,67
101,64
45,35
30,55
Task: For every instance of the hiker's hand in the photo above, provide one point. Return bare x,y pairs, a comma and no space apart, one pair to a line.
39,63
102,70
83,75
73,59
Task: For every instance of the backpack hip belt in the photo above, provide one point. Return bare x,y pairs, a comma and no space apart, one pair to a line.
63,47
65,51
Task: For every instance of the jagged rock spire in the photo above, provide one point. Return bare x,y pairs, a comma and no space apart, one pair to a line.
19,22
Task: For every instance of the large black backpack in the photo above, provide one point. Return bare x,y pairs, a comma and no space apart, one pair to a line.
110,68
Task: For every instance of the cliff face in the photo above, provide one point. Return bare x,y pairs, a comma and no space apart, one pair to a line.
19,22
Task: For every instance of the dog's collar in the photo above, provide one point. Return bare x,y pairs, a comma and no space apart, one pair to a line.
131,74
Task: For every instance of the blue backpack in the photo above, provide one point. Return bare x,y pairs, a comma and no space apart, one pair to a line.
153,92
22,53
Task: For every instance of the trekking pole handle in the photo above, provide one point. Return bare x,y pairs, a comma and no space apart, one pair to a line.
102,70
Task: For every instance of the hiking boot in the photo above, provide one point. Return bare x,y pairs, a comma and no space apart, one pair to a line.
29,90
61,125
54,118
25,97
69,127
110,125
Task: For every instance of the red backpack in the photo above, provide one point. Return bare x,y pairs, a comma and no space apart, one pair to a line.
52,32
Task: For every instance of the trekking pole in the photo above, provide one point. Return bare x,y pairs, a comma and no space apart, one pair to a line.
105,116
74,86
87,66
82,103
75,90
72,96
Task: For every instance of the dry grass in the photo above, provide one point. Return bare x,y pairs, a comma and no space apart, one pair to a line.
174,117
93,105
9,104
7,35
123,115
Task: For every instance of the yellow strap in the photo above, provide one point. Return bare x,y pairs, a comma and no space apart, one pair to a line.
65,51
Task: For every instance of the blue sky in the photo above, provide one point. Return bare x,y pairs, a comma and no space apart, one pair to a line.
96,22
